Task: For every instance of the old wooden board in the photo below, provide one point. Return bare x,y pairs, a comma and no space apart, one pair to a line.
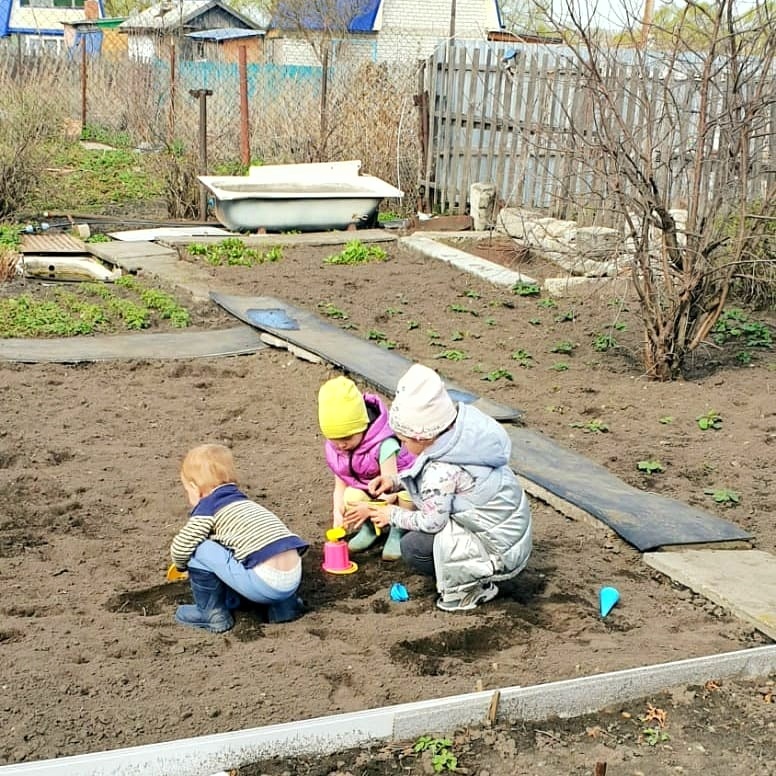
379,367
645,520
239,340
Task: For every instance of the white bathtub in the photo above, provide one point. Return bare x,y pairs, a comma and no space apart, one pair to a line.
303,197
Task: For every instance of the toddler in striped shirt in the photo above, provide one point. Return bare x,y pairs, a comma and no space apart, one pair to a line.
232,547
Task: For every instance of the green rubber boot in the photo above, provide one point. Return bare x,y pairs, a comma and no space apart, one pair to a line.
392,547
364,539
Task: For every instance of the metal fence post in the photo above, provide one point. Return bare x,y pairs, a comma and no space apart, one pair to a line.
202,95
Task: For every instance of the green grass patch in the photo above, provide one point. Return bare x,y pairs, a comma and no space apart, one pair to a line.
355,252
89,308
233,252
96,181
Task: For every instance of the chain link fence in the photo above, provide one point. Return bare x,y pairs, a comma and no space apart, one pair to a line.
212,98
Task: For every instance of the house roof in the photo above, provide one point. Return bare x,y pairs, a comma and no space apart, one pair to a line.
360,16
228,33
173,14
29,21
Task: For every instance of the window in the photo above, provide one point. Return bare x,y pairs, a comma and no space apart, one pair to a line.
51,3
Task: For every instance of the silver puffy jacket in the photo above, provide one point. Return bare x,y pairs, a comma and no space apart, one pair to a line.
488,536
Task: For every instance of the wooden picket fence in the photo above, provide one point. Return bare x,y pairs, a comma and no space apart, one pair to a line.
525,119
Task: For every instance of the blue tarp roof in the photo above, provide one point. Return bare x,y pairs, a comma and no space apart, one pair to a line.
288,17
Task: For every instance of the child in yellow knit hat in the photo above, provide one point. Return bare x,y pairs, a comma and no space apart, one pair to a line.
359,446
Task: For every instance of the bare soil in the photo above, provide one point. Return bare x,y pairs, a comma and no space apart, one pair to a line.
90,499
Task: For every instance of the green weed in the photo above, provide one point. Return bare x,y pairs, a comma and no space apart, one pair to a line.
355,252
233,252
565,347
560,366
596,426
498,374
709,420
604,342
452,355
654,735
723,495
521,288
66,316
163,303
547,303
441,750
650,466
10,236
460,308
523,358
736,324
332,311
381,339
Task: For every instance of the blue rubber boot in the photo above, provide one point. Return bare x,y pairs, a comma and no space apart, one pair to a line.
209,610
285,611
392,546
364,539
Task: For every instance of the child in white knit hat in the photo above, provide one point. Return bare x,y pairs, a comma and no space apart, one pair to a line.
359,446
471,525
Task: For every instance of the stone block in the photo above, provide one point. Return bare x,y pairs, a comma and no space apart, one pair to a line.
482,202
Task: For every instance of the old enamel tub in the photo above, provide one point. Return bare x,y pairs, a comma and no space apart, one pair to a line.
303,197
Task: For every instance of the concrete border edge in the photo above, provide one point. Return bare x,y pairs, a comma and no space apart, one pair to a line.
205,755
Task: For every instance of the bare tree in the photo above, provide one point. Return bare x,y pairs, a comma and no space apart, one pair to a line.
320,23
700,111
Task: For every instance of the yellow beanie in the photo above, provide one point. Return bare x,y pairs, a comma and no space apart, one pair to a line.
341,409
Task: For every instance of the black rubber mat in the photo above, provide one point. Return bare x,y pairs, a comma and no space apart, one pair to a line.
645,520
379,367
240,340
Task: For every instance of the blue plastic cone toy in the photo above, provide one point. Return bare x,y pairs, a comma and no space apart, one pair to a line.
607,598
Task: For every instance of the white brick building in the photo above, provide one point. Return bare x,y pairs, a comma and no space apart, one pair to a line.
393,31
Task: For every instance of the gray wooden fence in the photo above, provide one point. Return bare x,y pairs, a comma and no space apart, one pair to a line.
526,119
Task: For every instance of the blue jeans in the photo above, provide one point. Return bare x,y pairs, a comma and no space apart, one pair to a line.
217,559
417,551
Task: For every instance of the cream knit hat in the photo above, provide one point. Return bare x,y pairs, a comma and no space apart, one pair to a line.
422,408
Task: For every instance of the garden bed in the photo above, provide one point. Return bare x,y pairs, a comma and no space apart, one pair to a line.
90,497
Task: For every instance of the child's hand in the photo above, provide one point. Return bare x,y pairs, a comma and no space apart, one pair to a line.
381,484
381,516
356,515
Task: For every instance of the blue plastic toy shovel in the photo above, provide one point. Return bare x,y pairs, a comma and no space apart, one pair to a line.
607,598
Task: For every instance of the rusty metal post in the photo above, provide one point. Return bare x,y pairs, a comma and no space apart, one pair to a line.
242,66
202,95
83,82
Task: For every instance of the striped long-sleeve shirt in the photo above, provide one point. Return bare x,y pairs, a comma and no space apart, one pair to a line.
227,516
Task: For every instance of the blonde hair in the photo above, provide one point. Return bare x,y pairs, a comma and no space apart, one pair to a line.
208,466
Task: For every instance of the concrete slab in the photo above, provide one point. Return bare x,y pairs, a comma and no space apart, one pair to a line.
467,262
743,581
133,256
